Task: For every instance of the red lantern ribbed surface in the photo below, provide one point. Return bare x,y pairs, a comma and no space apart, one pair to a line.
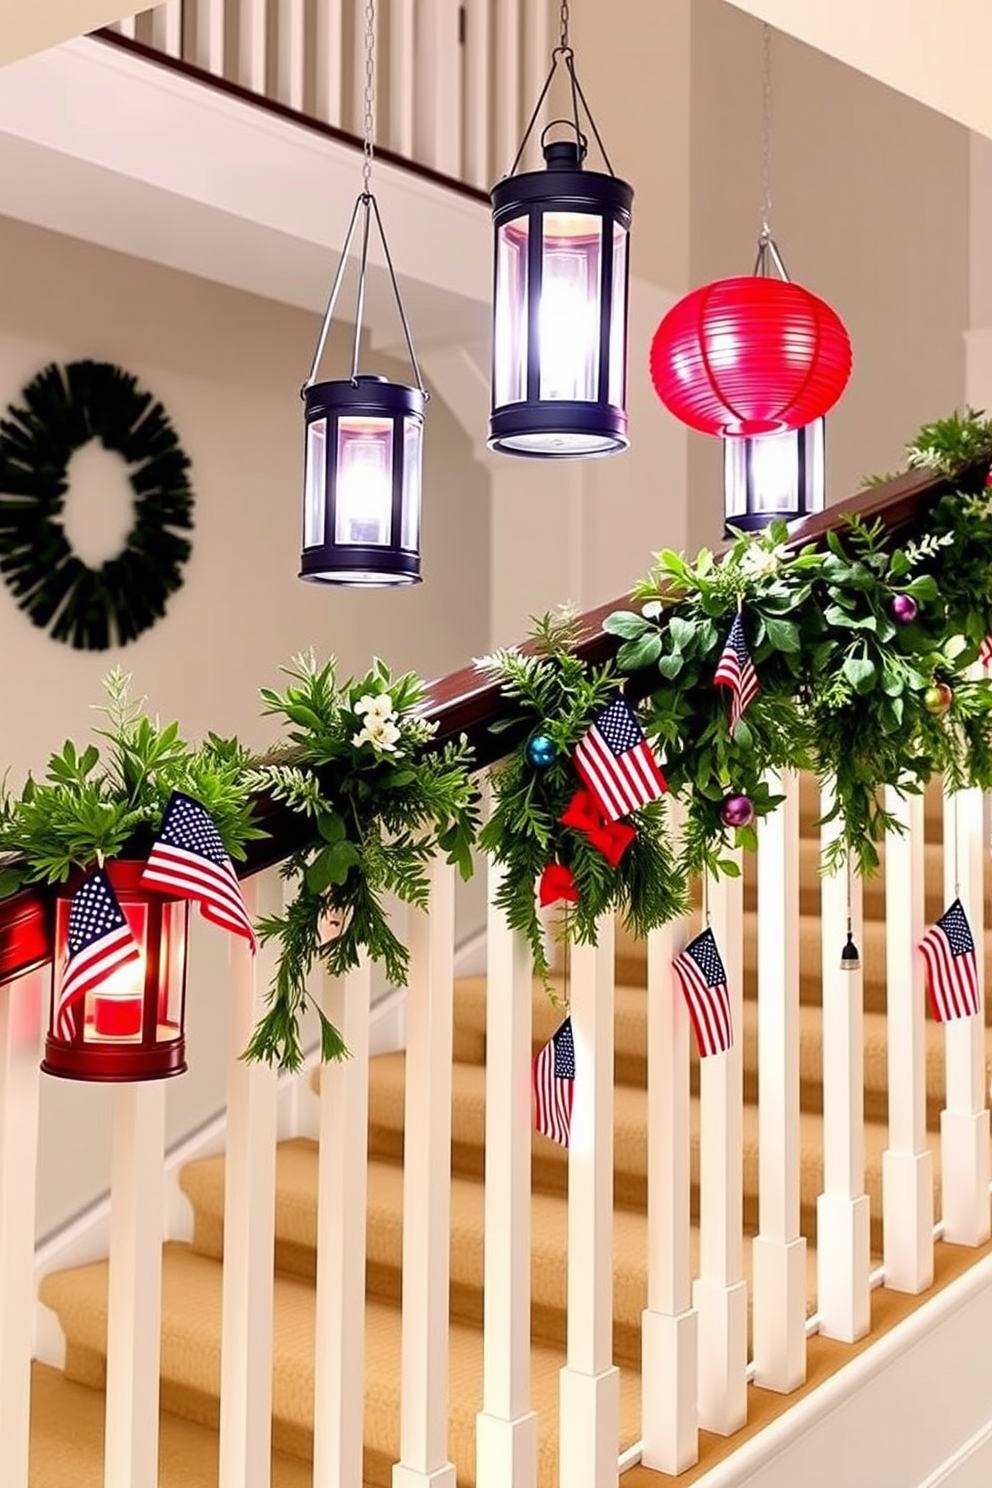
750,356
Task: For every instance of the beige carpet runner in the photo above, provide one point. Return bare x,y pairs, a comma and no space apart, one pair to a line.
68,1409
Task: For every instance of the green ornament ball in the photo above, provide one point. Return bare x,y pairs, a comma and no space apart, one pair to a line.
541,751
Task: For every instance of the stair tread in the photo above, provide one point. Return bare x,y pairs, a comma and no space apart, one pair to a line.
67,1434
191,1309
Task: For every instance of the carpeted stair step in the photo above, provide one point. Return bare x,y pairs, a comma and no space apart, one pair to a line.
873,889
191,1364
550,1171
67,1434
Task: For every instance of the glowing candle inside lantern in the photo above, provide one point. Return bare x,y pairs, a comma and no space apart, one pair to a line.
568,319
364,481
117,1006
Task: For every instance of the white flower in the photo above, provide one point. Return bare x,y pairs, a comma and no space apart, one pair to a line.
763,562
381,733
376,705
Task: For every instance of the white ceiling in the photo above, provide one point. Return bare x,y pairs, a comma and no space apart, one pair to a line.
938,53
28,26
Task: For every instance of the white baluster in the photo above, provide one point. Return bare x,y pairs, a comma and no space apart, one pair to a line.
402,51
479,62
208,36
358,63
437,98
669,1325
339,1369
843,1211
427,1193
23,1004
249,1214
720,1291
252,44
589,1384
290,52
964,1122
507,72
506,1427
134,1294
126,26
907,1165
779,1250
167,28
329,49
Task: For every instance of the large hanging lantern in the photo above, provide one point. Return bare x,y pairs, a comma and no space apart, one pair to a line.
129,1024
774,477
559,379
364,434
750,356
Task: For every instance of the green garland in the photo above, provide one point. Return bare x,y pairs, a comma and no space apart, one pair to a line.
378,803
552,694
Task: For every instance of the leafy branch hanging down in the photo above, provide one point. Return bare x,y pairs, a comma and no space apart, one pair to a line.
864,656
98,802
380,800
556,696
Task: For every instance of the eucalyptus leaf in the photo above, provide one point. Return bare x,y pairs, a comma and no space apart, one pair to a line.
626,624
783,634
860,672
633,655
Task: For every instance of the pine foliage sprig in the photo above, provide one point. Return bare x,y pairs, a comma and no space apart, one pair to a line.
380,799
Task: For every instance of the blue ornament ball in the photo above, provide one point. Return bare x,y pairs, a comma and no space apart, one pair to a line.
541,751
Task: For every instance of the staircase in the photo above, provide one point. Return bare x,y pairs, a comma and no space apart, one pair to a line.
68,1409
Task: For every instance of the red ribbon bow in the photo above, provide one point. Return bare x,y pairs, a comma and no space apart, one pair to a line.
612,839
557,882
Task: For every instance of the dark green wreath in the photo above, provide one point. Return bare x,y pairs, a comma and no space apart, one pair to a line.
66,407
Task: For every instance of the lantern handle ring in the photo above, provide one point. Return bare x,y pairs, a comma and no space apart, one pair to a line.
768,249
567,56
569,124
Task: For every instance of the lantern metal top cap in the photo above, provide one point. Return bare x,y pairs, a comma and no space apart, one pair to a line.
366,393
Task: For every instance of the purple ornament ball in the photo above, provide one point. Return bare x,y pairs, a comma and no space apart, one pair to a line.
904,608
737,811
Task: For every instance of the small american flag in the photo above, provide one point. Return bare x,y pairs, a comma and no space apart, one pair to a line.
985,653
100,941
703,979
736,671
952,966
190,860
554,1086
615,761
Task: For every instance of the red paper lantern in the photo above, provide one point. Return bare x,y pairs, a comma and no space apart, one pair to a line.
131,1026
748,356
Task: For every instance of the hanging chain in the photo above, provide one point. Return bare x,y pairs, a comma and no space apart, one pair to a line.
369,119
563,39
766,130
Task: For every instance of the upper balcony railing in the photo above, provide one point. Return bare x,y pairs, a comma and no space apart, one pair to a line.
456,82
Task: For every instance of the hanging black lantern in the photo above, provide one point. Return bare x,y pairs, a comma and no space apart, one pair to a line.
364,435
559,378
773,477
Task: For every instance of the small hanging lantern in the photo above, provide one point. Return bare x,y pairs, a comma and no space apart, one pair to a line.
559,380
773,477
364,434
128,1020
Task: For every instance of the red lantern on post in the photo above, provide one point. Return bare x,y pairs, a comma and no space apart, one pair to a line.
751,355
131,1024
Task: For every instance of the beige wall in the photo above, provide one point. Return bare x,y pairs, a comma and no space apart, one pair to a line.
870,211
228,368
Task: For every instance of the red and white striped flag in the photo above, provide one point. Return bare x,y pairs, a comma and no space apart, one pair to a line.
703,979
616,762
190,860
985,653
735,670
100,941
952,966
554,1086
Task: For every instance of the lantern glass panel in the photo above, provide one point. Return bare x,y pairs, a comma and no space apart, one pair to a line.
364,482
618,320
413,431
816,474
735,477
172,957
316,483
510,338
775,474
114,1010
568,319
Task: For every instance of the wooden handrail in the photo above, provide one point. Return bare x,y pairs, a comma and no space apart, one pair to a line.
465,703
